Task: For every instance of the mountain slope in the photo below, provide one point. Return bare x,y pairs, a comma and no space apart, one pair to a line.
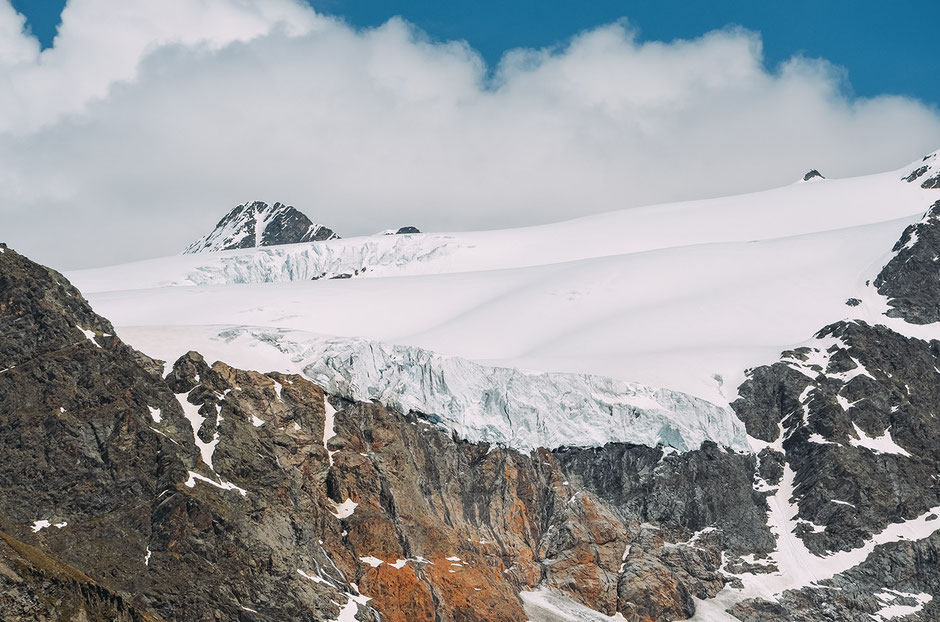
258,497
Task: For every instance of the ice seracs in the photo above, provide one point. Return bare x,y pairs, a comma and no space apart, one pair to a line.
256,224
513,408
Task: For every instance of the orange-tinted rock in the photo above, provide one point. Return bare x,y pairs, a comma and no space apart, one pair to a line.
398,593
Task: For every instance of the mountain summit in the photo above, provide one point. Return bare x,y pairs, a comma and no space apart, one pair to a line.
258,224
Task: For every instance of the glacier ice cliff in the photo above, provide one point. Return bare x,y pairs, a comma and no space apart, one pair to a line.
511,407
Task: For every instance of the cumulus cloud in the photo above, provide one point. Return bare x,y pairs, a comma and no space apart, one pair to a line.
147,121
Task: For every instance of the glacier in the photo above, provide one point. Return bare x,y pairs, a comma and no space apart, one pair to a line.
683,296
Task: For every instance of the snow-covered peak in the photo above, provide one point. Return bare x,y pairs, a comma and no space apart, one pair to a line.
255,223
925,172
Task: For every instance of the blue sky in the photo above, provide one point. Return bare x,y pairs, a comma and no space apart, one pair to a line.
885,46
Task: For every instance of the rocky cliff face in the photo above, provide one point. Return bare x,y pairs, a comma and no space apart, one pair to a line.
141,491
257,224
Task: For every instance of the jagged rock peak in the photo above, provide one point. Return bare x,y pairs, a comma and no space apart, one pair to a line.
813,174
256,223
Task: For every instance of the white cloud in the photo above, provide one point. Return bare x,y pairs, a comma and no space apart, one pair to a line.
147,121
101,42
15,46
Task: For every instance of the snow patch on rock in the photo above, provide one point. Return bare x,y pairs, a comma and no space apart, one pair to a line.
797,565
191,411
191,483
544,604
39,525
881,444
374,562
89,335
344,509
894,609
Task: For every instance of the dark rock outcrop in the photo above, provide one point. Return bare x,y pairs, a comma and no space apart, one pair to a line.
929,169
911,279
931,183
917,173
812,174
